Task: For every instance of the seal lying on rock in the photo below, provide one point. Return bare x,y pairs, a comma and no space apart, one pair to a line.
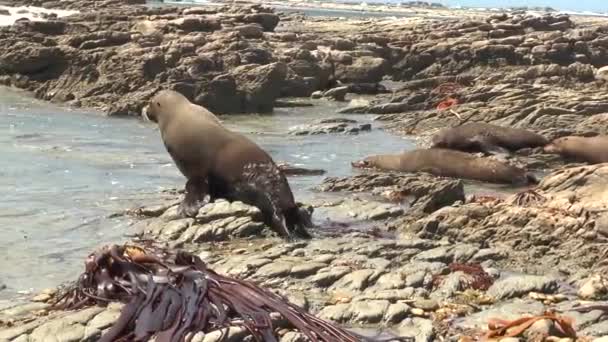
487,138
449,163
222,163
593,150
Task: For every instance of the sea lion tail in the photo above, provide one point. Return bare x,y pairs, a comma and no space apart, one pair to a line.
275,199
297,220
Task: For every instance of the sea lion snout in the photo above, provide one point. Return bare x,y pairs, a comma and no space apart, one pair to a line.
360,164
144,113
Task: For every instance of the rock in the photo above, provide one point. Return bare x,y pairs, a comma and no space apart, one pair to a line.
339,313
520,285
68,328
292,336
419,328
261,85
369,312
396,313
329,126
24,58
362,70
327,276
337,94
595,287
602,73
355,281
508,311
429,193
254,31
268,21
196,23
426,304
540,329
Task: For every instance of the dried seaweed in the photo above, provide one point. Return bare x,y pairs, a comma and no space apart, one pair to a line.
504,328
172,296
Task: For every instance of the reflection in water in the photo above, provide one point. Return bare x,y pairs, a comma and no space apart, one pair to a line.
64,172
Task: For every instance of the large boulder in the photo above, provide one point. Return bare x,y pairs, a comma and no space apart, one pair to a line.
363,70
260,85
221,95
268,20
29,58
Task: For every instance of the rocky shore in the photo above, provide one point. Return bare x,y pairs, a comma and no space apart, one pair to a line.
412,254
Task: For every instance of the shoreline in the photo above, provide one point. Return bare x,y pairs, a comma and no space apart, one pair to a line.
410,260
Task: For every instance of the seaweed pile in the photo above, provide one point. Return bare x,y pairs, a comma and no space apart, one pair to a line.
173,296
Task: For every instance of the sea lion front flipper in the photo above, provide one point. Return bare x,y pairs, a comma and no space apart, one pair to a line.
487,146
432,170
196,190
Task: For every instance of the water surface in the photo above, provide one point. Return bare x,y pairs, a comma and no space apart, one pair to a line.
65,172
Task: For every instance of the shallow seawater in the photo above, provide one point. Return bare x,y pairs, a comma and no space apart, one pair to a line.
64,172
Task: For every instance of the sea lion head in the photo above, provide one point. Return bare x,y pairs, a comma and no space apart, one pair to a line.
159,105
367,163
438,140
557,145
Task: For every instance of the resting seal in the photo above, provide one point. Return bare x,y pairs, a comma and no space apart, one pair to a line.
487,138
449,163
593,150
222,163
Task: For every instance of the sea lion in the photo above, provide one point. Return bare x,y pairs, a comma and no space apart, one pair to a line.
222,163
593,150
487,138
449,163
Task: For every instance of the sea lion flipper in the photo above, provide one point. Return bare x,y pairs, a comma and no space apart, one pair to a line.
196,190
488,146
432,170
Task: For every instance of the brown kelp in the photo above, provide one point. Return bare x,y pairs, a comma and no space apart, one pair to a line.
173,296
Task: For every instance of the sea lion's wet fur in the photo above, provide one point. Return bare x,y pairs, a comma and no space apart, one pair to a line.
222,163
593,150
488,138
450,163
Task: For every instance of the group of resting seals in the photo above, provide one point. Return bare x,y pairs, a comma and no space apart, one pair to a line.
225,164
447,155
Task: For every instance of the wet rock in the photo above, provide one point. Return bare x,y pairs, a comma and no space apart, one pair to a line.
520,285
329,126
429,193
337,94
290,170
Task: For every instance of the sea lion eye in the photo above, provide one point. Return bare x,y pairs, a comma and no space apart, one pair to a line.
158,104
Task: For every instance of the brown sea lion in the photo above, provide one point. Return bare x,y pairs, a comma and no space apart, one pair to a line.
222,163
593,150
449,163
487,138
